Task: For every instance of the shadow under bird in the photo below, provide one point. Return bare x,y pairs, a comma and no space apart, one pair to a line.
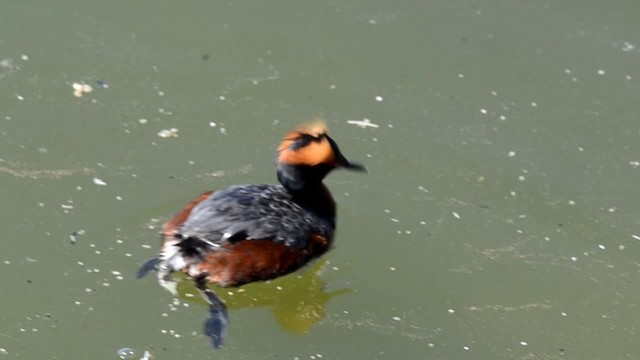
248,233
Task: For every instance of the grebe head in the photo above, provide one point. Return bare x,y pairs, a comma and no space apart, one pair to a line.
307,154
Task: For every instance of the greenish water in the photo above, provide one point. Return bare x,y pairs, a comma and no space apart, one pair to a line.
499,218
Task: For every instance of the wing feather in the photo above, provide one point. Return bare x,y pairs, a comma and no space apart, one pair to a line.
253,212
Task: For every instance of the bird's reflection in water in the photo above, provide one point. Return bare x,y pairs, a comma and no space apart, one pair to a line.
297,301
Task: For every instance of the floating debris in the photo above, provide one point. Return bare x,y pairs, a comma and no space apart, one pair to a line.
66,207
80,89
7,64
364,123
99,182
168,133
627,46
126,353
73,237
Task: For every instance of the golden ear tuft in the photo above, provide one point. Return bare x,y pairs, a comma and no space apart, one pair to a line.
292,151
316,128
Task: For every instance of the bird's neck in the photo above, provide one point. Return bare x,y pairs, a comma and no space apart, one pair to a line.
306,188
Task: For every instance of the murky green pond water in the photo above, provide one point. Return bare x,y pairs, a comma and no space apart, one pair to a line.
499,218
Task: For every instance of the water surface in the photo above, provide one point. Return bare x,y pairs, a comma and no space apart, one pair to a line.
498,219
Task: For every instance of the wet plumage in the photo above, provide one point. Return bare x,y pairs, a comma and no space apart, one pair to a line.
248,233
248,212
